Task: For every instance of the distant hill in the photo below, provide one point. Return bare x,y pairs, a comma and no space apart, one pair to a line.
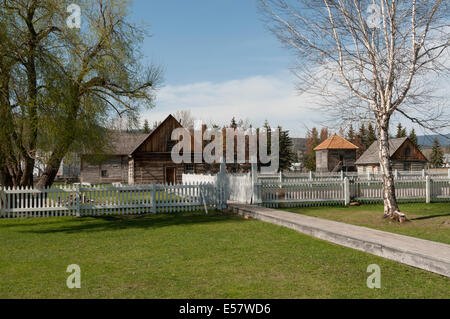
427,140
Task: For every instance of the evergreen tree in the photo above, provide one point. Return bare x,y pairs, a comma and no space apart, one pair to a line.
146,128
363,136
401,131
413,138
233,123
287,156
371,136
351,134
437,156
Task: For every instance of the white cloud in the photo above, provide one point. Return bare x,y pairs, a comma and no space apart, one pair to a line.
255,98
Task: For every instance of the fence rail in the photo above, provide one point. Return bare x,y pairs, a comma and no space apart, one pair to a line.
109,200
352,176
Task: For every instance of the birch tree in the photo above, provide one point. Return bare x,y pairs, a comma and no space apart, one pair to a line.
369,60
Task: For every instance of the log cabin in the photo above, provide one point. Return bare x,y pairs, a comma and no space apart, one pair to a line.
145,159
405,156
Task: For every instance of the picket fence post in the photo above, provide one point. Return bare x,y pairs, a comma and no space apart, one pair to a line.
347,191
254,181
428,189
77,200
154,198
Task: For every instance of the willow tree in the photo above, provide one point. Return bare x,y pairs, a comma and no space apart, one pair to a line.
78,78
369,60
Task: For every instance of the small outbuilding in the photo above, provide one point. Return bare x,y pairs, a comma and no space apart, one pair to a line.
405,156
336,154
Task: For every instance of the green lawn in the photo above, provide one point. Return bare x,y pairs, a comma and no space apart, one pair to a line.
427,221
192,256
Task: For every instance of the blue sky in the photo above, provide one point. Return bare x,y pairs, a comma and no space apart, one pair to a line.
209,40
220,61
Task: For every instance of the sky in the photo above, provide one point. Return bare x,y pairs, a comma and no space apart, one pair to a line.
220,62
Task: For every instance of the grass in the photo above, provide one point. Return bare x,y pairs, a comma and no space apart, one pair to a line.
192,255
427,221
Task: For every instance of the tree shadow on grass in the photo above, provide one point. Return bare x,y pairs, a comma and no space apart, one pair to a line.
111,223
430,216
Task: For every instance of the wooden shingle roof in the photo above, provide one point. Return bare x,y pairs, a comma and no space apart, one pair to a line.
123,143
336,142
370,156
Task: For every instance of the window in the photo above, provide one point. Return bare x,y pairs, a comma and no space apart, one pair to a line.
407,152
104,173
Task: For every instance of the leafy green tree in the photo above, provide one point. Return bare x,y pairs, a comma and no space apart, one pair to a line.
67,82
437,156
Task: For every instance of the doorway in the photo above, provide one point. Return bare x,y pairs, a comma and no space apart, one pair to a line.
171,175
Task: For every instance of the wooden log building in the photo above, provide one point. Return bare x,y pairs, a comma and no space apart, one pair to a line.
146,158
405,156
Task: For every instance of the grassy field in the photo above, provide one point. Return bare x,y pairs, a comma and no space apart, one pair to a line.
427,221
192,256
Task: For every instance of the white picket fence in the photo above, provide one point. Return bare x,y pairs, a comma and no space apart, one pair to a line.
109,200
353,176
315,193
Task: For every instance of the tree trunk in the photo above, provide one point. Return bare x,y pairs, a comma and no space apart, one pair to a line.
52,166
391,209
5,177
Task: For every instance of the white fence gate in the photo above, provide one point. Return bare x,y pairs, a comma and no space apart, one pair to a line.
237,186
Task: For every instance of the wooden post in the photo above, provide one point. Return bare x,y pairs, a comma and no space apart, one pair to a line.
154,198
281,179
423,172
449,173
254,198
396,174
78,200
428,189
347,191
310,175
342,175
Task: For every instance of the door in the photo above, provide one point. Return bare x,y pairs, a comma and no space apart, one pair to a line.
171,175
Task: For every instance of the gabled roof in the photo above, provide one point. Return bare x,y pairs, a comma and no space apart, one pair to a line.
371,155
122,143
149,135
336,142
